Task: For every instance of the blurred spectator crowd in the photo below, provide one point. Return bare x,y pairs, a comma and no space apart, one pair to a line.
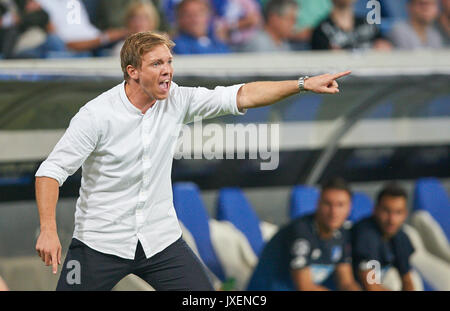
93,28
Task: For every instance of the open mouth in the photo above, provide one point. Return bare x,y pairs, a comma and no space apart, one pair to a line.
164,85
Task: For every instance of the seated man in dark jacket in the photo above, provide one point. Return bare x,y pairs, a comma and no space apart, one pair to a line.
195,33
342,30
313,252
379,243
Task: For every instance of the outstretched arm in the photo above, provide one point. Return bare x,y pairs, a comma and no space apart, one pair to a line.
264,93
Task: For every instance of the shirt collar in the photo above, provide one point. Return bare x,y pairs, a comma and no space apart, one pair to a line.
128,105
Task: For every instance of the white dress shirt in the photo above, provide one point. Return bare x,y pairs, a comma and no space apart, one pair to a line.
126,158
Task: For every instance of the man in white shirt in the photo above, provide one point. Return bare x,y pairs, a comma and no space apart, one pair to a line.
125,140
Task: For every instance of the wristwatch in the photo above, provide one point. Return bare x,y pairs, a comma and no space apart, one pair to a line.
301,83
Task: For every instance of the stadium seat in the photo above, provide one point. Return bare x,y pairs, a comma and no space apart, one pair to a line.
303,201
434,271
431,212
192,213
430,195
234,207
362,207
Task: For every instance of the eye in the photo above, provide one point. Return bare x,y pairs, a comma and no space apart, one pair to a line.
155,64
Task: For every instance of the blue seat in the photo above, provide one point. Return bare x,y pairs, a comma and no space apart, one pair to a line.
430,196
234,207
192,213
362,207
303,201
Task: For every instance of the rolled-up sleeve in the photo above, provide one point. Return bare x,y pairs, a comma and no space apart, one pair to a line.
79,140
206,103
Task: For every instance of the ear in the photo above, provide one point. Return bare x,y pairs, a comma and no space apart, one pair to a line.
132,72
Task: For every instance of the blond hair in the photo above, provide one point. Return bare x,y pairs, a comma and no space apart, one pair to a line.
137,45
145,7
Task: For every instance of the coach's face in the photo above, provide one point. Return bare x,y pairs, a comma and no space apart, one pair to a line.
334,207
156,72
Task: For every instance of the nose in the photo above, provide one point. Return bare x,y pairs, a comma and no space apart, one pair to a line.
167,70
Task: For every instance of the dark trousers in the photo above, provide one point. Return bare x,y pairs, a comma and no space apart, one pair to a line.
174,268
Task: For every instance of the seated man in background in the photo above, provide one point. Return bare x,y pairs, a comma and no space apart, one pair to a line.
308,252
443,22
418,32
280,17
343,30
240,21
379,241
139,16
73,26
25,30
194,33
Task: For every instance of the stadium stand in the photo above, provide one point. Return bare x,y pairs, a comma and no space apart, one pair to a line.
229,246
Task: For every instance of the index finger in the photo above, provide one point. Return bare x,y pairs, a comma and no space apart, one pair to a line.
54,261
341,74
